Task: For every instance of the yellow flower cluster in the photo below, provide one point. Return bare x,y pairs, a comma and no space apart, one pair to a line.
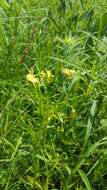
68,73
46,75
71,40
31,78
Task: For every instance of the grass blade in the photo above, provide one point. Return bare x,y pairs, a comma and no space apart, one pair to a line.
90,122
85,179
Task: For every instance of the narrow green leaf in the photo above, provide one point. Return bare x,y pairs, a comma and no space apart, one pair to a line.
4,4
85,179
68,169
92,168
41,157
93,108
19,142
90,122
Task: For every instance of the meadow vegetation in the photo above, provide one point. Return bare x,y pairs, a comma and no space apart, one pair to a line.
53,95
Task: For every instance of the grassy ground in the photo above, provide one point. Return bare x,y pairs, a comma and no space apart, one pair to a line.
53,90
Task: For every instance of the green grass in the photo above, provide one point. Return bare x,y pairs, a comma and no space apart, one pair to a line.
53,132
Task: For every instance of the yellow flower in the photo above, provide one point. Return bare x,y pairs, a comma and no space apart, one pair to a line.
68,73
71,40
42,75
73,113
47,75
31,78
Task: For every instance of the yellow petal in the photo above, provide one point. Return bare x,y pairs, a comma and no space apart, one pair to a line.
31,78
68,72
47,75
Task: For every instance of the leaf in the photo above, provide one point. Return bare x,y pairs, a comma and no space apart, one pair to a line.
34,183
41,157
68,169
4,4
19,142
90,122
92,168
93,108
9,143
85,179
90,151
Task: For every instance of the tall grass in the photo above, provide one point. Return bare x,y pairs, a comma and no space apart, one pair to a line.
53,90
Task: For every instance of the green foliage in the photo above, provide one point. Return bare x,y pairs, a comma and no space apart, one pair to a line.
53,90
